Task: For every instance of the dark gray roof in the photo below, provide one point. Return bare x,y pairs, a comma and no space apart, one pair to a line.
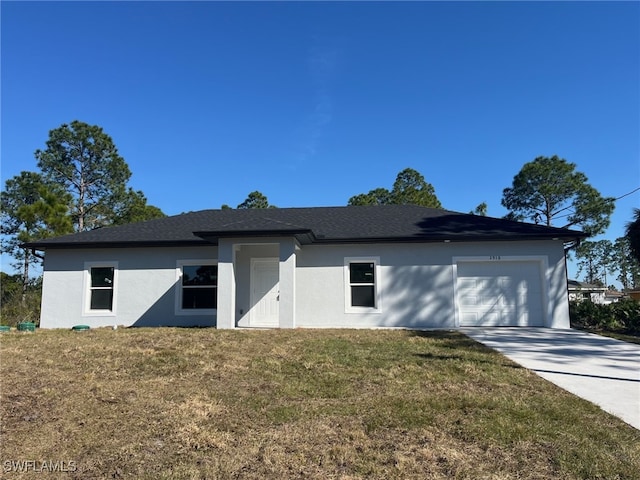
364,224
577,285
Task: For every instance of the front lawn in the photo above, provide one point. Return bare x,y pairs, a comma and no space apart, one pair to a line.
313,404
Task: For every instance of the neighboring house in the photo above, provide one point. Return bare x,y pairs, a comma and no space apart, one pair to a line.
579,291
330,267
611,296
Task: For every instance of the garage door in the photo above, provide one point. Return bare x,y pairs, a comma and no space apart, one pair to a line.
500,293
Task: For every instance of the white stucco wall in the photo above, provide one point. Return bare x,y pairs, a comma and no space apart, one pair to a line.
416,284
145,287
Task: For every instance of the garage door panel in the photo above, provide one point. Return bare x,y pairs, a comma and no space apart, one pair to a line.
500,293
490,302
469,319
485,300
510,301
491,317
468,284
469,300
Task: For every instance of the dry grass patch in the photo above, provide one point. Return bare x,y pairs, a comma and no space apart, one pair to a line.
347,404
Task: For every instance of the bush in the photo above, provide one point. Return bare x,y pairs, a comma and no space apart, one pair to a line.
13,309
621,317
627,312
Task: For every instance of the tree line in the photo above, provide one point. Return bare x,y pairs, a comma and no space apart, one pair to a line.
82,184
548,191
599,260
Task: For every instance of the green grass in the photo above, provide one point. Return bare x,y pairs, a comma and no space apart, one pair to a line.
348,404
625,337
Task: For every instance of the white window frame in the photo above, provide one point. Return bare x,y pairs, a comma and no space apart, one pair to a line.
179,311
87,311
348,307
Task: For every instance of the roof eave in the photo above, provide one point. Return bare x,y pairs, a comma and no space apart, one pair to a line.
42,246
445,239
303,235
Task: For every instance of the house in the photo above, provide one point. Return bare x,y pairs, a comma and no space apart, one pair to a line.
611,296
327,267
579,291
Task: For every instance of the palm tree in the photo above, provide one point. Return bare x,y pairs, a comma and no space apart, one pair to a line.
633,234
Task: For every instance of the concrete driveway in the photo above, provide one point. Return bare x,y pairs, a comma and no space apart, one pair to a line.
599,369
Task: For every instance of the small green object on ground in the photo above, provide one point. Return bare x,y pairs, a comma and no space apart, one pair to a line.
4,328
27,327
80,328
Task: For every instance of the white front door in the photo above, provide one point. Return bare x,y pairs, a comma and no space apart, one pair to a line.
265,292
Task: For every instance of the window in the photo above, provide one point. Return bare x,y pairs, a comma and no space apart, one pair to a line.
197,291
361,284
100,291
101,288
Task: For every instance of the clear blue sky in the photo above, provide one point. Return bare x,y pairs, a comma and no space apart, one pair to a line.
314,102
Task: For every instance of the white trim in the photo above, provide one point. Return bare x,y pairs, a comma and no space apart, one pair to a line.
179,311
348,308
86,301
543,269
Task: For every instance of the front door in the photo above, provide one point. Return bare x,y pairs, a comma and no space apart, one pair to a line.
265,292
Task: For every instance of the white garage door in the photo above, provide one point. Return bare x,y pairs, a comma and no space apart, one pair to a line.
501,293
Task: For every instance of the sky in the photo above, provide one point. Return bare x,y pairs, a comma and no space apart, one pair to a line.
311,103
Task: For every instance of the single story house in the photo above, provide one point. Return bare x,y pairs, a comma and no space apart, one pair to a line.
327,267
612,296
579,291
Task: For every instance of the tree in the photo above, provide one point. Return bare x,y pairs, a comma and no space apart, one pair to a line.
32,209
409,188
379,196
10,287
632,234
82,185
255,200
134,208
84,161
18,304
481,210
627,265
596,258
550,190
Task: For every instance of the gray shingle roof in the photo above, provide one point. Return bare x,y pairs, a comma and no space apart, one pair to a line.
388,223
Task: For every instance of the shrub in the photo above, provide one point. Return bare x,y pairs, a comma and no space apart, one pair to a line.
627,313
622,316
13,309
